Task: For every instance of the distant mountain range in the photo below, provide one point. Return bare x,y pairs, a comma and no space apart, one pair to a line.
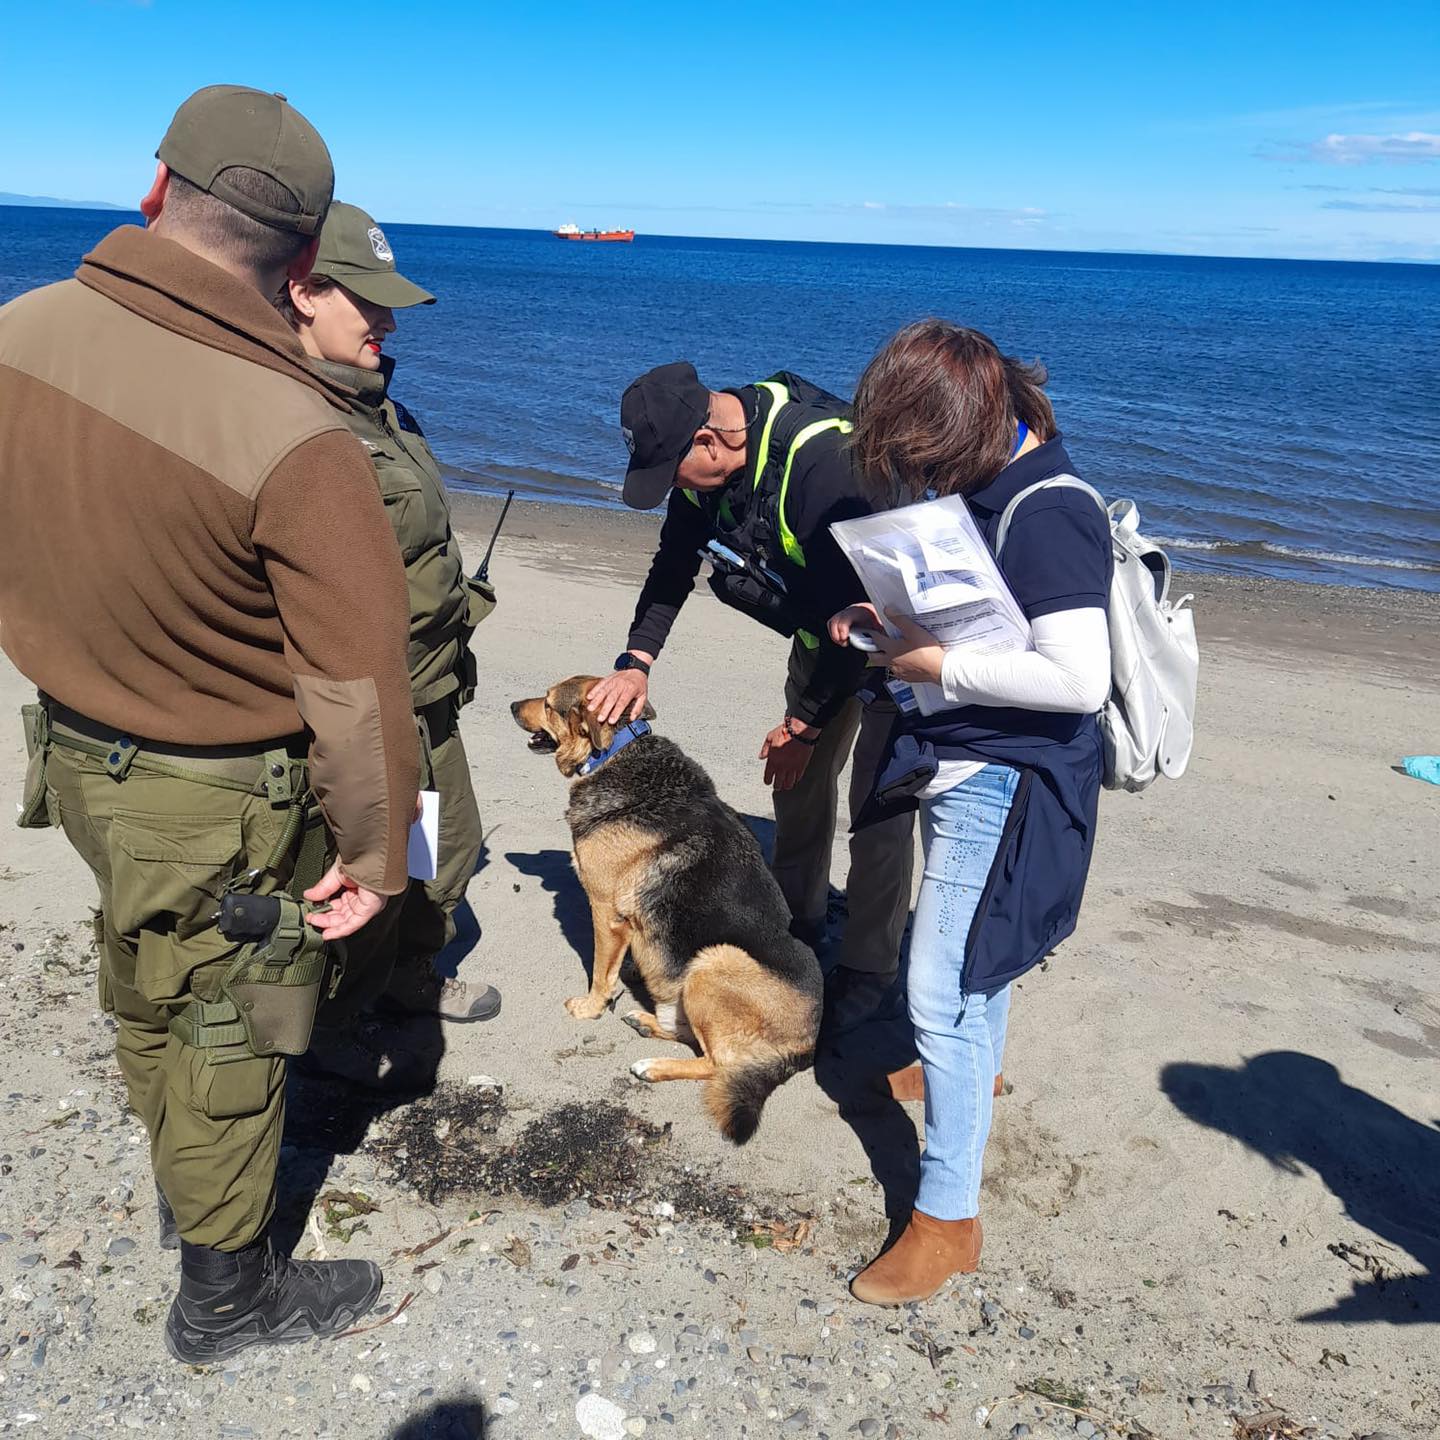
6,198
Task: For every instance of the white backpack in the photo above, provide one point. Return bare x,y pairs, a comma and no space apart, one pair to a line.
1148,722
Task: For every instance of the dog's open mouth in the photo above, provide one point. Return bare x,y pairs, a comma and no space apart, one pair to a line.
542,744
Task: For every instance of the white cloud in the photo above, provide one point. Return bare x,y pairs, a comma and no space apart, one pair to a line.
1395,149
1385,207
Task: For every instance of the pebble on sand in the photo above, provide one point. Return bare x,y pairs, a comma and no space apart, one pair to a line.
599,1418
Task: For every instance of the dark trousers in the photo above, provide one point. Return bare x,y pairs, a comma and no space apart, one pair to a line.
882,857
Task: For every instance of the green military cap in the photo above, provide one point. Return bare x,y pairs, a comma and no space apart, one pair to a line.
228,125
355,253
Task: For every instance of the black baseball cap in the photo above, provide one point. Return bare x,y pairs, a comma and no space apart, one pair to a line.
659,415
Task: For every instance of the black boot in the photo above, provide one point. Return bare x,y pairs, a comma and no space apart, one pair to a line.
169,1235
230,1300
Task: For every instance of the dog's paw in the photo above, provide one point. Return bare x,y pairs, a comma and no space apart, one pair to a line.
640,1071
640,1022
582,1007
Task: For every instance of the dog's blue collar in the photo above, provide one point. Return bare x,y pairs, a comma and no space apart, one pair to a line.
623,736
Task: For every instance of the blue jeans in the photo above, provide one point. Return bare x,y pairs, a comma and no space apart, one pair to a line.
960,1036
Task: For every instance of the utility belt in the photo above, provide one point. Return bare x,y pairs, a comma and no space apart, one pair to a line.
271,989
755,590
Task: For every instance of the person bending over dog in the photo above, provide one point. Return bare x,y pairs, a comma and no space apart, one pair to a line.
1008,781
674,875
754,477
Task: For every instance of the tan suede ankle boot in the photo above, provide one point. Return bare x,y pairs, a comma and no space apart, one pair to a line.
909,1083
920,1261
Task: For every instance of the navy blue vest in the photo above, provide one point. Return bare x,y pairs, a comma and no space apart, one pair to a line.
1031,900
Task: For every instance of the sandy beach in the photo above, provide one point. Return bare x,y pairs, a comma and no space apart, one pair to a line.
1212,1192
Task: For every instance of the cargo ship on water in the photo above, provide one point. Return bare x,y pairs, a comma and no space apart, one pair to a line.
572,231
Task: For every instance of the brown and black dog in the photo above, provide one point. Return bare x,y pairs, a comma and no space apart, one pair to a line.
675,876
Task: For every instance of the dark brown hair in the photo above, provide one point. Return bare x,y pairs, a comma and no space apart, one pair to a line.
226,229
286,306
936,409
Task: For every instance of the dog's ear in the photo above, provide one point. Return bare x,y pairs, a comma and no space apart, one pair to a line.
600,732
573,748
648,713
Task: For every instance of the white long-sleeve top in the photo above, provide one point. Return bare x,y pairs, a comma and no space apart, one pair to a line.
1068,672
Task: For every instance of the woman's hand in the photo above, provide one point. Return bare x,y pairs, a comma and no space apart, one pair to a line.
915,657
854,617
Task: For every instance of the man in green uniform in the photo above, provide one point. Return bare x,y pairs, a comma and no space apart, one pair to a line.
343,311
197,574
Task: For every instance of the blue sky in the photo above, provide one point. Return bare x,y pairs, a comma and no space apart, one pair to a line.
1307,130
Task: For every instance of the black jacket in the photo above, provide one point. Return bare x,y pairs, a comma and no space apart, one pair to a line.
824,488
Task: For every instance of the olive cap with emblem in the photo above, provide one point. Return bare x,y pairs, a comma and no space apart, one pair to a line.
224,126
355,253
659,415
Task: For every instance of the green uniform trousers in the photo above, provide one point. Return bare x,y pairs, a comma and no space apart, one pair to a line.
418,925
882,856
161,849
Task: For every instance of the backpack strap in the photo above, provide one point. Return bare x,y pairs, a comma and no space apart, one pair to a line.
1055,482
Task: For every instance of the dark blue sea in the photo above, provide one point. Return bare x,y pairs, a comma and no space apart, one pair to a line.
1270,417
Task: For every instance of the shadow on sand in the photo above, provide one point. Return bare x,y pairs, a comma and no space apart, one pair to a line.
467,927
557,877
326,1117
1298,1113
851,1069
461,1418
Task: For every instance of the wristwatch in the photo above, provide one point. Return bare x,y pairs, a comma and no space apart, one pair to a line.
627,661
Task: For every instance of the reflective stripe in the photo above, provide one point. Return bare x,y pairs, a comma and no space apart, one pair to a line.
781,397
791,545
809,641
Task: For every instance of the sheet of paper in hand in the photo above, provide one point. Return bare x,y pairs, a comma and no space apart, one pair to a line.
423,855
930,562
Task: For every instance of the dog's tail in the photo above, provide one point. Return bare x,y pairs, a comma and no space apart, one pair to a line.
737,1094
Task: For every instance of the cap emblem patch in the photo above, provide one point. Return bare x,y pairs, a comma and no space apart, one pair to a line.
629,435
380,245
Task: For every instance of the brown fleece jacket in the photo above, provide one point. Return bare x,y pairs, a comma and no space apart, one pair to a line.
195,550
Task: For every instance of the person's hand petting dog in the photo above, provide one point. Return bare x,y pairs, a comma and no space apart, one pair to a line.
913,656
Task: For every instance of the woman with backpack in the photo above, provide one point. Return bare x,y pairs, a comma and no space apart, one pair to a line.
1008,781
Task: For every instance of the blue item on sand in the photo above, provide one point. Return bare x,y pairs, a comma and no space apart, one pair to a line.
1423,767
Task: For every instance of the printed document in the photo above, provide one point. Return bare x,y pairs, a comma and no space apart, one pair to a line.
930,562
424,849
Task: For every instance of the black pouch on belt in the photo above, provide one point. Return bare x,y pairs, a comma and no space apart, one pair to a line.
753,596
34,813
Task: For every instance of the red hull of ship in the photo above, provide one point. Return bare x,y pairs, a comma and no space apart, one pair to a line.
617,235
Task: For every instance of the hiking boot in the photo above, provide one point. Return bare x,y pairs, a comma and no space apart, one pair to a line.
920,1261
417,988
371,1055
855,997
230,1300
169,1232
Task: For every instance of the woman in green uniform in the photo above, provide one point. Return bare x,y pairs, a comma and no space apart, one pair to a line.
342,314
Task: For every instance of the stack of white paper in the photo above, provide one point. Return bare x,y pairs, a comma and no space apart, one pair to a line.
931,562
